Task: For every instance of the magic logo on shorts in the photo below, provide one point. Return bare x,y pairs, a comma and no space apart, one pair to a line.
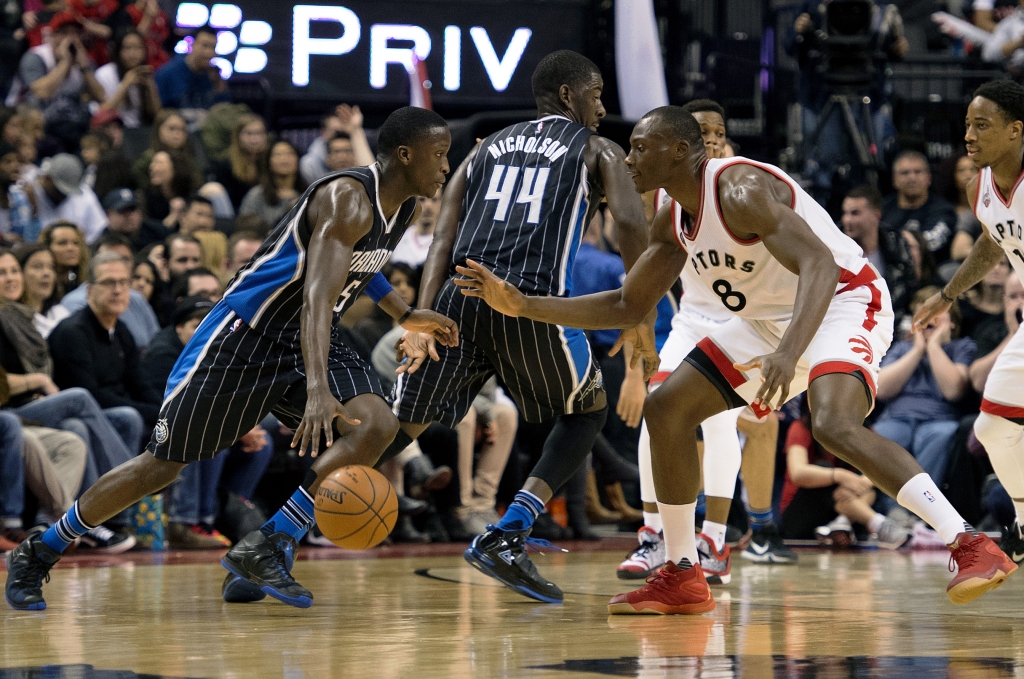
161,431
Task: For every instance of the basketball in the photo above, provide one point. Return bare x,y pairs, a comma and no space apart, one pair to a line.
356,507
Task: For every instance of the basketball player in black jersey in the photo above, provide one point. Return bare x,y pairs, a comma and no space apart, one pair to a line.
269,346
521,202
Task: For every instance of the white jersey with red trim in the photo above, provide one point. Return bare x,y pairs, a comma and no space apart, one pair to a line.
745,278
695,294
1003,219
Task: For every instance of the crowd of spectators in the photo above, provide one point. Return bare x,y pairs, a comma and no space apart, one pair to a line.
132,190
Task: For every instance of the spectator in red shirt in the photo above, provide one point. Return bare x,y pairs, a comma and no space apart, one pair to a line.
153,24
96,17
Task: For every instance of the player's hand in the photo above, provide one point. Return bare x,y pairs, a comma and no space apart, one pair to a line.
932,307
501,295
644,346
254,440
777,372
412,349
321,409
441,328
631,398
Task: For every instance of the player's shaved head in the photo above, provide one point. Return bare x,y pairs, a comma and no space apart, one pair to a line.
676,123
563,67
406,126
1005,94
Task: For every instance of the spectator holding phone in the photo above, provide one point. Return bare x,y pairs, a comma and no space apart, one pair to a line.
189,81
128,82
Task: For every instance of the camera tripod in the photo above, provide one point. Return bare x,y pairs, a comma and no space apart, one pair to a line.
864,142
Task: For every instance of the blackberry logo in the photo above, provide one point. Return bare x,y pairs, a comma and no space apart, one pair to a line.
226,19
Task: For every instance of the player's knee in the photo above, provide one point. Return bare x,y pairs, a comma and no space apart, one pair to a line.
155,473
995,432
382,426
660,410
834,433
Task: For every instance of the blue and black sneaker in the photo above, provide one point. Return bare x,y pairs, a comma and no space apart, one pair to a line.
28,566
237,590
502,555
265,561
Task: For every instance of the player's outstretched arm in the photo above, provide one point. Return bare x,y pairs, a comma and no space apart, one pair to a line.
754,203
340,214
985,254
435,269
624,203
646,283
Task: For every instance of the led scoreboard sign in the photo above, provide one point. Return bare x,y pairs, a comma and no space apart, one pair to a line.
477,53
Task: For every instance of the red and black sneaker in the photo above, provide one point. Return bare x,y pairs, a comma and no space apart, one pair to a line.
670,591
981,566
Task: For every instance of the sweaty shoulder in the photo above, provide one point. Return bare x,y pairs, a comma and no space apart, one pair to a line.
601,151
972,190
663,227
751,184
344,202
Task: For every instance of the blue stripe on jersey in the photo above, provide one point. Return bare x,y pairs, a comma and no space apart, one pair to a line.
195,347
579,349
261,282
574,243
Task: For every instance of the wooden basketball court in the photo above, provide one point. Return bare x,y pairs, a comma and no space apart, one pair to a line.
423,612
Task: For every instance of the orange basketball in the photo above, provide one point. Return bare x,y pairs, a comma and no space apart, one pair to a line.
356,507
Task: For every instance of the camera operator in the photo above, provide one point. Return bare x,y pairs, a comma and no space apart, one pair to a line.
808,42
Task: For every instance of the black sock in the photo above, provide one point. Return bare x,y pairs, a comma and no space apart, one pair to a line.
401,442
567,446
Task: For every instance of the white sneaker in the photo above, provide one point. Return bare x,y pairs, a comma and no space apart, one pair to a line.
836,533
891,535
645,559
925,538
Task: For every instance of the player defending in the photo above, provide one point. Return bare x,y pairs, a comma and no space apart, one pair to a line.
520,202
809,310
995,143
269,346
700,312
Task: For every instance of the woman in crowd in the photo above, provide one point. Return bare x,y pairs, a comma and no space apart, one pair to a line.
114,435
968,228
406,281
240,171
39,271
128,82
170,183
280,185
921,383
170,134
70,254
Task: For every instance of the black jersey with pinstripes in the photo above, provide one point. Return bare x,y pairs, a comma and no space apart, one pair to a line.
267,292
527,199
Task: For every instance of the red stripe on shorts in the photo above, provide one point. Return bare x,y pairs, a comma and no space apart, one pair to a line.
831,367
1009,412
865,277
722,362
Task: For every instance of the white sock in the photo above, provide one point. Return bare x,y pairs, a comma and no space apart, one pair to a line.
921,496
1004,443
715,531
679,524
653,521
875,523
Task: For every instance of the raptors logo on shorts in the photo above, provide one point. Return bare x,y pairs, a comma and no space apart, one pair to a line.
863,347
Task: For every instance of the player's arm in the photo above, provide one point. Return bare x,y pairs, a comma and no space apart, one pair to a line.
646,283
985,254
624,203
750,203
435,269
339,216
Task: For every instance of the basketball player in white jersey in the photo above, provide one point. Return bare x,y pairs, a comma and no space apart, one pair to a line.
700,312
810,314
995,143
